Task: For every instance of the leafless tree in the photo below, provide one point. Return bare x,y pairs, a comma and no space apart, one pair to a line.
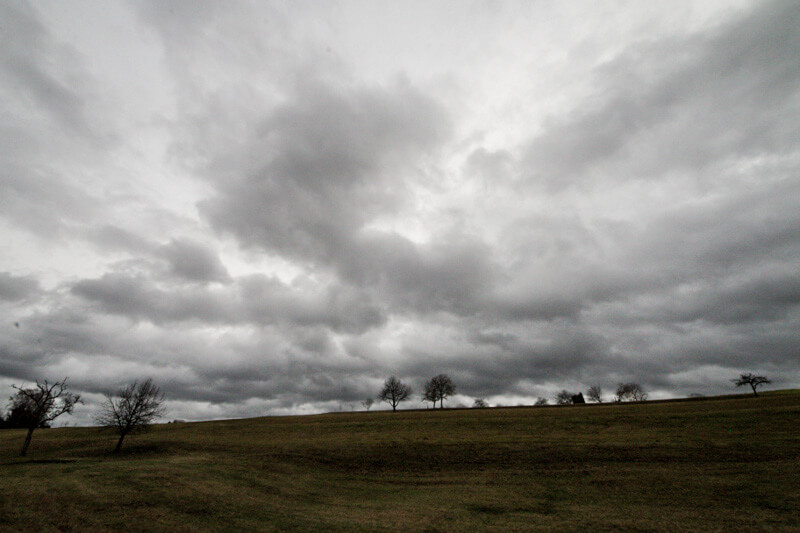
564,398
367,404
541,402
43,403
630,392
438,389
480,403
595,394
429,395
394,391
752,380
133,410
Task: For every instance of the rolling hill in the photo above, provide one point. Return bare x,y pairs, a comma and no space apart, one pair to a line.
710,464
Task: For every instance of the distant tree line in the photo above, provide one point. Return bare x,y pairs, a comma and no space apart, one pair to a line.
441,387
134,407
437,389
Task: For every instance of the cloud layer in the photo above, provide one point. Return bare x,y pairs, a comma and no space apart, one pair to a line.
270,208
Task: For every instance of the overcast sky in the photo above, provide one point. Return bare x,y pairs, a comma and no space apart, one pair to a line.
269,208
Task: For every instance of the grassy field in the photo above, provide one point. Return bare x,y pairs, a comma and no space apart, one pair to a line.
712,464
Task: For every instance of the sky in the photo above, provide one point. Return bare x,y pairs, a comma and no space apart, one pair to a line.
271,207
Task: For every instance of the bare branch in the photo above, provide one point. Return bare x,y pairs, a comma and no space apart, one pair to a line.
394,391
438,389
752,380
632,392
136,406
43,403
595,394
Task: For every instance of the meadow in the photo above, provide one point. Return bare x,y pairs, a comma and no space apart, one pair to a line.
708,464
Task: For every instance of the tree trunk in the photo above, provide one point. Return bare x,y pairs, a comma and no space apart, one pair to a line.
119,443
27,442
754,389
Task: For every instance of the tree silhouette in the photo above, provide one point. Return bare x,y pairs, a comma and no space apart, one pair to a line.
752,380
135,407
564,398
42,404
595,394
394,391
20,415
630,392
438,389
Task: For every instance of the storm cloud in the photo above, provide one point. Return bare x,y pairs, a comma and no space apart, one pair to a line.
270,208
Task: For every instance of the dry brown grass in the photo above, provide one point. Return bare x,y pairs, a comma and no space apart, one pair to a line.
716,464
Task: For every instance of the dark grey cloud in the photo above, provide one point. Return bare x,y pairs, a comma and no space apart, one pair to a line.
15,288
282,227
181,259
255,299
561,266
513,364
138,298
331,159
444,275
111,237
193,261
327,163
287,364
39,339
677,257
340,307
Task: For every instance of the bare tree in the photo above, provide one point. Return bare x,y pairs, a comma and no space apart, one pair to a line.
427,398
42,404
595,394
564,398
630,392
367,404
540,402
429,395
438,389
480,403
134,409
394,391
752,380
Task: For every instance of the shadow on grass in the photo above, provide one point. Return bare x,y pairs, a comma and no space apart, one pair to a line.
50,461
21,461
139,450
485,509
